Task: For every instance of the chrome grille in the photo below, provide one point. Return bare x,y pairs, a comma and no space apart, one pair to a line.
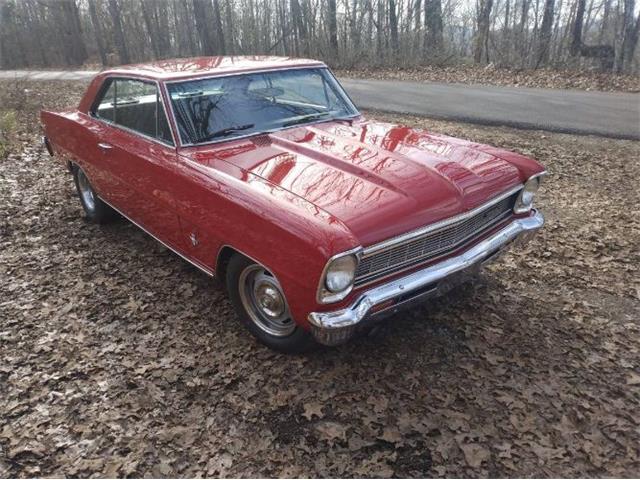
433,243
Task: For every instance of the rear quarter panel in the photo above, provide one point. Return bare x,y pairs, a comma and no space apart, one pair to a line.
73,137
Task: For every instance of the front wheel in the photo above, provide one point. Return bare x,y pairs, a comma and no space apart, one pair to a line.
262,307
97,211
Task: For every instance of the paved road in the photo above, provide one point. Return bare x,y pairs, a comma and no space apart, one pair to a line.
606,114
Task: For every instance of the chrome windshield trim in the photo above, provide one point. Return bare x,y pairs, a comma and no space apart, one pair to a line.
207,75
433,227
361,308
322,66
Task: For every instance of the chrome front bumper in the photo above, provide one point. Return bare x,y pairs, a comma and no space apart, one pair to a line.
333,328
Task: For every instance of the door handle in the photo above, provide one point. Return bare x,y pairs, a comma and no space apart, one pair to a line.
105,146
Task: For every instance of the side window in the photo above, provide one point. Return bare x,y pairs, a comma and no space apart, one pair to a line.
106,107
135,105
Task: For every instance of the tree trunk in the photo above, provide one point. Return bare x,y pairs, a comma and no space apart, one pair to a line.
355,26
417,23
121,44
630,38
97,30
202,26
70,31
576,31
147,16
544,40
35,29
393,25
481,41
300,27
605,53
605,21
523,31
333,28
218,24
379,32
433,13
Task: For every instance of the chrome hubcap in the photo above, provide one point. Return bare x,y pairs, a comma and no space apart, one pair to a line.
86,192
264,301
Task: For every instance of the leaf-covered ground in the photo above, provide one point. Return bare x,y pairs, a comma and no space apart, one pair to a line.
491,75
120,359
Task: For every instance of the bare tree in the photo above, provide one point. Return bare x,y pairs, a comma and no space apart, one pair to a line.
202,26
481,41
393,25
522,33
97,31
333,26
544,41
630,36
118,33
433,16
605,53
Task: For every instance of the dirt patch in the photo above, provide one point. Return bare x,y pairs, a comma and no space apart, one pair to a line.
490,75
120,359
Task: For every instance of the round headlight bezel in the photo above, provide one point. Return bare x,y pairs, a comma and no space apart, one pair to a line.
524,202
338,276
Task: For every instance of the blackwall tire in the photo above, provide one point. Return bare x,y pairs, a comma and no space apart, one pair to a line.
95,209
261,306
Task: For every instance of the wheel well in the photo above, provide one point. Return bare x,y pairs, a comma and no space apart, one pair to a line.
222,261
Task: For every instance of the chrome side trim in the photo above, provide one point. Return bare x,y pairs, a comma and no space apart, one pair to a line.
346,319
407,237
213,74
198,266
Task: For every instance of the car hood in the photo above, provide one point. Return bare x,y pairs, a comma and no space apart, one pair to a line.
379,179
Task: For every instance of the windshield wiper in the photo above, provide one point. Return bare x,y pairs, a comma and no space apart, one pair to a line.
225,131
304,118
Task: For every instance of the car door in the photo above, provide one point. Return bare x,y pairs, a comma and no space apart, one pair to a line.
138,154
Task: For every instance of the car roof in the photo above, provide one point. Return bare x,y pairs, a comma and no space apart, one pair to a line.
184,68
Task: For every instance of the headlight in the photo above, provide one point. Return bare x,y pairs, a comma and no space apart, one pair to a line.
524,203
337,280
340,273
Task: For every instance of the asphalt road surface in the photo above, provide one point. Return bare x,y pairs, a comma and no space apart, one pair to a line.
614,115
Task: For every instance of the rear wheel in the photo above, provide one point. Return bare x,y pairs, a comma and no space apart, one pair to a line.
96,210
262,307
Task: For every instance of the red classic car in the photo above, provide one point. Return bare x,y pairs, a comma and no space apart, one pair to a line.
261,170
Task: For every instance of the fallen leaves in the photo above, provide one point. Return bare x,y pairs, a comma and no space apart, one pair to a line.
490,75
121,359
332,431
475,454
312,410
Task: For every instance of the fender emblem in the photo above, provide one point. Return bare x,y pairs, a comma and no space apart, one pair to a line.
194,239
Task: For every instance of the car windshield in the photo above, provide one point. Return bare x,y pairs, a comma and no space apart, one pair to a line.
214,109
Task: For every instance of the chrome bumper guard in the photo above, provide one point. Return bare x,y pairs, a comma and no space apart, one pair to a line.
334,328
